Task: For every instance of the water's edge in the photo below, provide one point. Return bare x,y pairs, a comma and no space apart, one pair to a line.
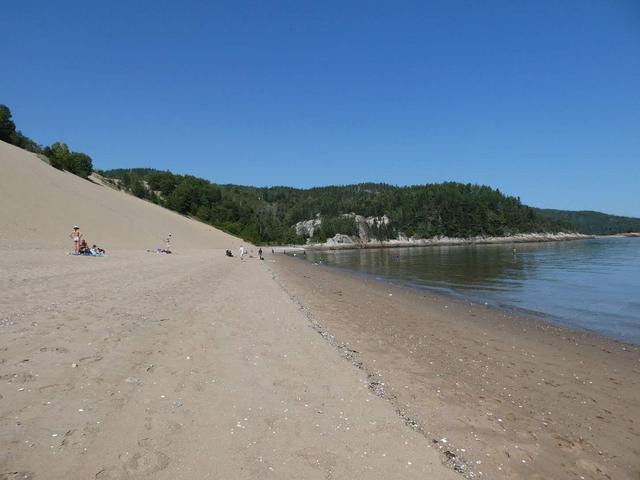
528,313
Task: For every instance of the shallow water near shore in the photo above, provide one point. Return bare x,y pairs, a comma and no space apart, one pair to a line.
588,284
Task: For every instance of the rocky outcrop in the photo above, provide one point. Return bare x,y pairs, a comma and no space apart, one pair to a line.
365,223
340,240
307,228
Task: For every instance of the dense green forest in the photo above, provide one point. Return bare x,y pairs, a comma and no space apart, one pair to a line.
266,215
594,223
58,154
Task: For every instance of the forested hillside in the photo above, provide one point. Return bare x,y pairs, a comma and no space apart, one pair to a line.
595,223
266,215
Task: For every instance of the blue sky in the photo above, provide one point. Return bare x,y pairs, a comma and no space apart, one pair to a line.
540,99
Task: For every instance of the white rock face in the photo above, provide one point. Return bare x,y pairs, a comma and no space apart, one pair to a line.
306,228
340,239
364,224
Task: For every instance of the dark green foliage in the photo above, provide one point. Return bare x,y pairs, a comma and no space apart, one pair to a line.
7,127
267,215
81,164
75,162
58,154
332,225
593,223
9,133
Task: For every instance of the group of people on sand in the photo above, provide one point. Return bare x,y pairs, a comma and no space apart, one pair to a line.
81,247
242,252
167,247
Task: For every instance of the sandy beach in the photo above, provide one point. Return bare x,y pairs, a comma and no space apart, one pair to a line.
510,397
146,366
139,365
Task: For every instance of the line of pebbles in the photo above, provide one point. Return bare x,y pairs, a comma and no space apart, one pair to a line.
377,386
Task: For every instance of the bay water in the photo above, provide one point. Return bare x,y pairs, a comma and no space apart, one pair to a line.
587,284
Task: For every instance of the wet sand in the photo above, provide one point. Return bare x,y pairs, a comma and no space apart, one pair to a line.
499,395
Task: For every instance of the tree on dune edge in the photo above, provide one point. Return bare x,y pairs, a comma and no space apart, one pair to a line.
63,159
9,133
58,154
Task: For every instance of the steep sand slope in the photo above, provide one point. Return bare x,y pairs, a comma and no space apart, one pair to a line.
39,205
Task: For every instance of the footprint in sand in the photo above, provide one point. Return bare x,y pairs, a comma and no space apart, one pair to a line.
148,423
55,388
17,476
54,349
111,473
91,359
154,443
144,462
134,466
21,377
91,429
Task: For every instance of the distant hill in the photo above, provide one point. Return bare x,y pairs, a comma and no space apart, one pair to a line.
268,215
593,223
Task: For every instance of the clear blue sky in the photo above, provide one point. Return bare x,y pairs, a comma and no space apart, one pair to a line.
540,99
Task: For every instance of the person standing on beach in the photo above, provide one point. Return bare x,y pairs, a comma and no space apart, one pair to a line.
76,236
241,252
260,253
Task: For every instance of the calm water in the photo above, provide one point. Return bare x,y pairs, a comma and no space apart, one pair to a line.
589,284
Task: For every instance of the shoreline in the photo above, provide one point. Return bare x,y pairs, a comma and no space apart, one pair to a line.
438,241
513,397
448,293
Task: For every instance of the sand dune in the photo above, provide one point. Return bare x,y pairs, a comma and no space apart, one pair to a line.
40,204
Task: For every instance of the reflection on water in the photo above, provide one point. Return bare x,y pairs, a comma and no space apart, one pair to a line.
592,284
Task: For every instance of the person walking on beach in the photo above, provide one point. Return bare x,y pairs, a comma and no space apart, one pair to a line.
260,253
76,236
241,252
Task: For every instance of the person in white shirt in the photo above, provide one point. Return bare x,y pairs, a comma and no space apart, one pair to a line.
241,252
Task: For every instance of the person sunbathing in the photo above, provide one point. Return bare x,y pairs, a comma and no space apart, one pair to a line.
97,251
84,248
